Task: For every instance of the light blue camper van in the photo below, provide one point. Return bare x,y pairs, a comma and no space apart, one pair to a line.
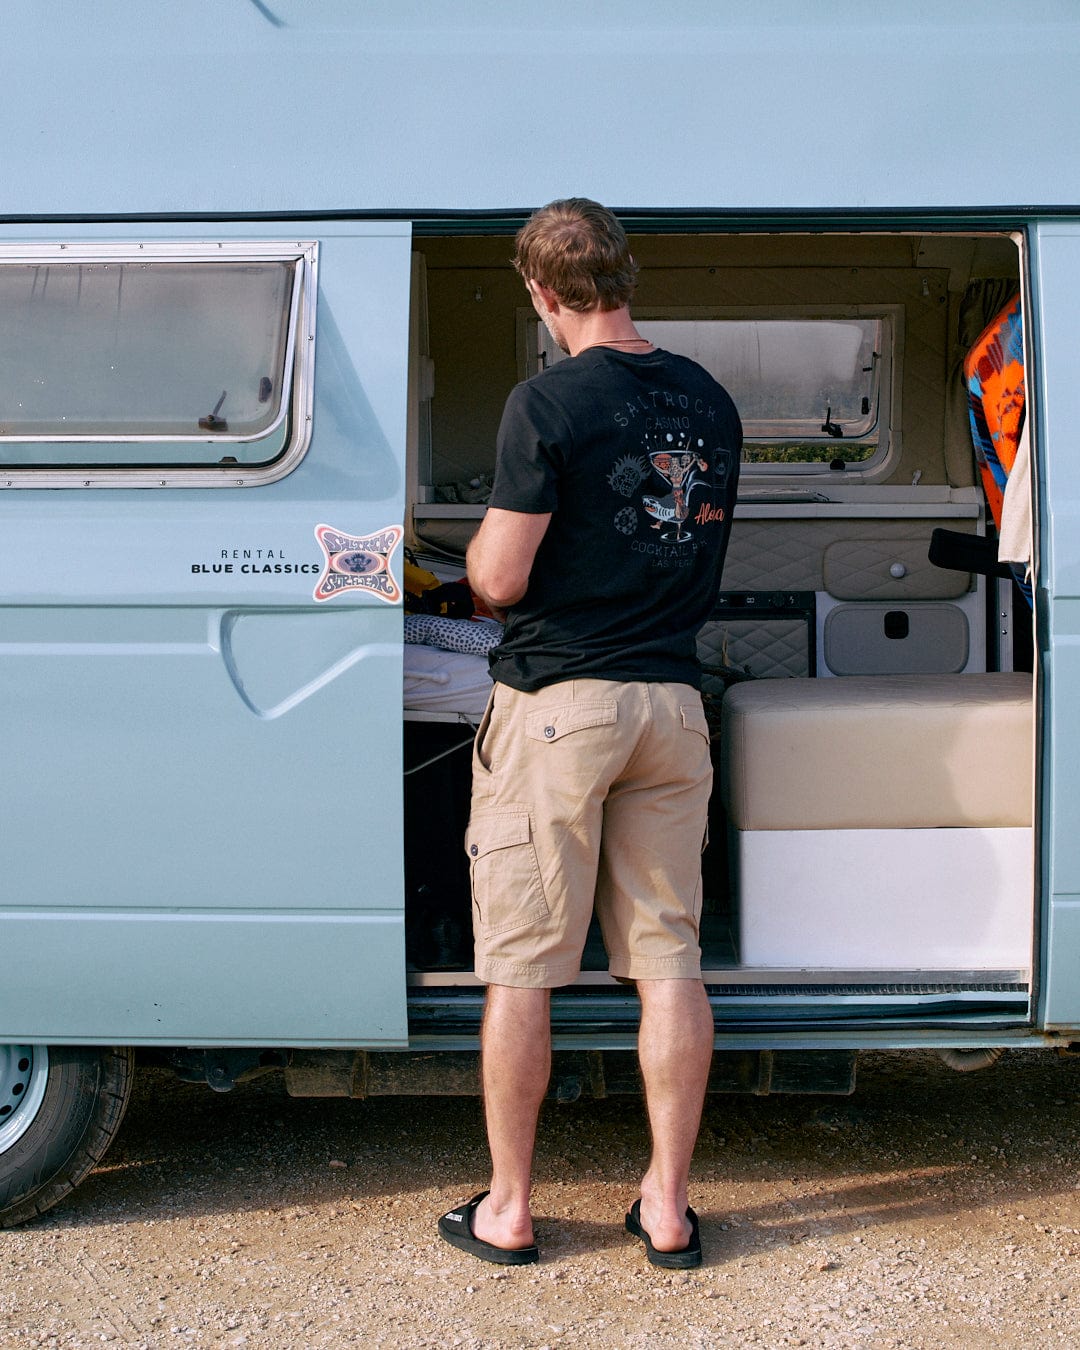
257,323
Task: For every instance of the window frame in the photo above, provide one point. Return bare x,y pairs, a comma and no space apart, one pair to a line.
297,396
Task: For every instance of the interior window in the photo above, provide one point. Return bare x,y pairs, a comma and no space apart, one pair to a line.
809,390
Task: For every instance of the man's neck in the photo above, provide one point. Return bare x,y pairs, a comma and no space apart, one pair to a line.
602,328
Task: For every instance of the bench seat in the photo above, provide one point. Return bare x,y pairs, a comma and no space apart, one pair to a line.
878,751
881,822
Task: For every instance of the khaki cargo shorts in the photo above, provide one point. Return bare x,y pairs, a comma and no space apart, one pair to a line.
588,792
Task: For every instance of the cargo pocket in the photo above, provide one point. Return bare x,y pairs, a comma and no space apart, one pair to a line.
507,889
553,723
693,719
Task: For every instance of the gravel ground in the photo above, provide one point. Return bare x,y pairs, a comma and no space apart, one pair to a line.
930,1209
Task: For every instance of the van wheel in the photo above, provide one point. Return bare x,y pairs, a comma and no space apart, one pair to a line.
60,1108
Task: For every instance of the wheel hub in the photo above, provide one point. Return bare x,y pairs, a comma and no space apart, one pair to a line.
24,1072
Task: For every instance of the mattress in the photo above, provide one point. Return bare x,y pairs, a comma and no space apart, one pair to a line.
438,681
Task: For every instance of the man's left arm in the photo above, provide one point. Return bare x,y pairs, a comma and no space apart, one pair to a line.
500,557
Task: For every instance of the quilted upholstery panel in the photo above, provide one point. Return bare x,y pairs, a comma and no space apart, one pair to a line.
785,553
768,648
863,569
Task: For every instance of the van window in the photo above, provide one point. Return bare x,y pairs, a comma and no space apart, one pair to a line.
809,390
125,359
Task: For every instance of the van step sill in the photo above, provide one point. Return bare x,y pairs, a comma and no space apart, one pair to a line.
753,980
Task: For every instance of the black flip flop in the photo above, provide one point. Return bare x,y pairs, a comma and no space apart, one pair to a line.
456,1228
685,1259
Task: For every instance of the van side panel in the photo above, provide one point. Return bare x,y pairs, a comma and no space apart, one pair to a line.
225,866
294,106
1056,280
382,105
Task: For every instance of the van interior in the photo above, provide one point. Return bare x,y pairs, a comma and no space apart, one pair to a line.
872,709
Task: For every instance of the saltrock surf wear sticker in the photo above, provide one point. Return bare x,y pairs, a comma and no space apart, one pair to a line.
358,562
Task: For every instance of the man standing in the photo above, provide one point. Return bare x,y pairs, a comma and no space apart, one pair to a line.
615,478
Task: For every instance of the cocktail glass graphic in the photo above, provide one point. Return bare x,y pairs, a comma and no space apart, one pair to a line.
676,468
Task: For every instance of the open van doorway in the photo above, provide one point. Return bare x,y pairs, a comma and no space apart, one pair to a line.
871,842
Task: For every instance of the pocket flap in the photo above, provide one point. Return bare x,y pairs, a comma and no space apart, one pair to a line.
551,724
502,827
693,719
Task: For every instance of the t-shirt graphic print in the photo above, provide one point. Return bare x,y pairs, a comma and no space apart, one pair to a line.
637,459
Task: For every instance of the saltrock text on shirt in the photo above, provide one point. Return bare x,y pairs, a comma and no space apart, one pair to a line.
655,399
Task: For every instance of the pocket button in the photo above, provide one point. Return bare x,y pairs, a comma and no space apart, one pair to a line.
549,732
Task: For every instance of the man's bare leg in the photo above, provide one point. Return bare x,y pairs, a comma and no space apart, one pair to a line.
515,1069
675,1047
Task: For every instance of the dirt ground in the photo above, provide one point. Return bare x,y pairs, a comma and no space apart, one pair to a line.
930,1209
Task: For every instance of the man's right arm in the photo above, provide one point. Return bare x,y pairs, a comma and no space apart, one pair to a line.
500,558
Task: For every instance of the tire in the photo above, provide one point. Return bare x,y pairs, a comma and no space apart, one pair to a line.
60,1109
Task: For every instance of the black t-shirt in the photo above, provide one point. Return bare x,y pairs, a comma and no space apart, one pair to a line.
637,459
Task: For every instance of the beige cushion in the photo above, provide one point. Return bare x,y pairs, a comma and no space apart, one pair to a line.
878,752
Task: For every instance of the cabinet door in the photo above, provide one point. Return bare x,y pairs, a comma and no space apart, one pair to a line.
200,708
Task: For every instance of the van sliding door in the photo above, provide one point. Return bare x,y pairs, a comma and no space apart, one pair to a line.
201,499
1056,287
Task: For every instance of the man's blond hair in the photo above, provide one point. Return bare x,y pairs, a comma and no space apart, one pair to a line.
577,248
